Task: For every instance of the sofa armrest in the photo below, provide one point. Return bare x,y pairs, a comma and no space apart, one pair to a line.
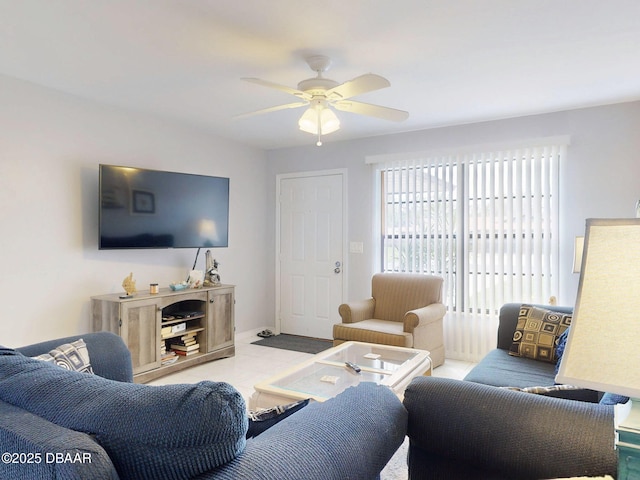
45,450
357,311
110,358
423,316
486,432
350,436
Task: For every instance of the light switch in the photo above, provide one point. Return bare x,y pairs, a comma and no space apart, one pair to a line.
356,247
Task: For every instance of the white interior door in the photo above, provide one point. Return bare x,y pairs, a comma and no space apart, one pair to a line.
311,244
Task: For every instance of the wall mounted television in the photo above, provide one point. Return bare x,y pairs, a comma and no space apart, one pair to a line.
141,208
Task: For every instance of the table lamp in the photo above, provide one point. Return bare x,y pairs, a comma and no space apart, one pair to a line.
603,348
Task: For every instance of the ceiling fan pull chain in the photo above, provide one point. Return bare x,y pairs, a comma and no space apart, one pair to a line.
319,142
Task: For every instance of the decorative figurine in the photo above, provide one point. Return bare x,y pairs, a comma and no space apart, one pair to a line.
129,284
212,277
196,278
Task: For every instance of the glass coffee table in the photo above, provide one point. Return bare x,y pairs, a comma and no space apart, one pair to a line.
326,374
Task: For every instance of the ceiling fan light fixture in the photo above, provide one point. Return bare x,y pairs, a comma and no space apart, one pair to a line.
309,121
329,122
319,120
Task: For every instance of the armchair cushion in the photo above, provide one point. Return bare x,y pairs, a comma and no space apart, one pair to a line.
374,331
172,431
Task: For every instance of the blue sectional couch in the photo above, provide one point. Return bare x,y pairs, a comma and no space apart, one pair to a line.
501,369
473,430
56,423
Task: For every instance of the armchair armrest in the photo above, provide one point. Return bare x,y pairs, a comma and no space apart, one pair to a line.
423,316
357,311
486,432
350,436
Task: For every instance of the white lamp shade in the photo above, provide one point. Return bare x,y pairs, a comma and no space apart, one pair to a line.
309,121
603,348
328,121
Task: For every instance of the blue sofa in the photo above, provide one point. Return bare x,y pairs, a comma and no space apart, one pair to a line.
500,369
57,424
472,430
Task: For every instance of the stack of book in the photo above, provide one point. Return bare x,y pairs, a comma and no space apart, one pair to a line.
167,357
185,345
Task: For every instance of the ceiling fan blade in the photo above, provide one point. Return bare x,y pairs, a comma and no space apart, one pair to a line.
359,85
277,86
271,109
360,108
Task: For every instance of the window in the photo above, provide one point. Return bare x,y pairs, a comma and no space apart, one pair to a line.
487,222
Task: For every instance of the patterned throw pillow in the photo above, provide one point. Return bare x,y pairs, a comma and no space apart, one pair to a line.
561,344
537,333
71,356
261,420
543,390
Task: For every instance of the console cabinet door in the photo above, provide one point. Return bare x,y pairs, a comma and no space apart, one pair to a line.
140,330
220,318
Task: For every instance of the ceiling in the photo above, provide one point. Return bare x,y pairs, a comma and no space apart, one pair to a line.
449,61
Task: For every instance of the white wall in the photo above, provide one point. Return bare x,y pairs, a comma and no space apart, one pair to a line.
50,147
601,177
51,144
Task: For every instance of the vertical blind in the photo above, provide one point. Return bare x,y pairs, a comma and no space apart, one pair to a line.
485,220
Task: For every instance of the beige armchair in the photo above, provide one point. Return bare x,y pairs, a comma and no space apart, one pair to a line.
405,310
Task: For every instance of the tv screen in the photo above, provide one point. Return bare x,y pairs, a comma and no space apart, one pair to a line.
142,208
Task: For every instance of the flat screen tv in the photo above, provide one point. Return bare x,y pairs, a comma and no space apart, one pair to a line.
142,208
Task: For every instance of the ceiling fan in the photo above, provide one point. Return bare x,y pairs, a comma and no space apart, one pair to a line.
320,94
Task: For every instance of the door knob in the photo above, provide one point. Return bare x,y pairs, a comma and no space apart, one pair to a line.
337,269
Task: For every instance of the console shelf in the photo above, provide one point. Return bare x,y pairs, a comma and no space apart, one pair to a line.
179,334
140,321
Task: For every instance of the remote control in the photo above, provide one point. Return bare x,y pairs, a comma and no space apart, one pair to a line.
353,366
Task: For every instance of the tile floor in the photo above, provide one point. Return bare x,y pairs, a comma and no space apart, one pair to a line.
252,364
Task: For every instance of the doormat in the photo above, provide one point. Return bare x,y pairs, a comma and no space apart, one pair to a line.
295,343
